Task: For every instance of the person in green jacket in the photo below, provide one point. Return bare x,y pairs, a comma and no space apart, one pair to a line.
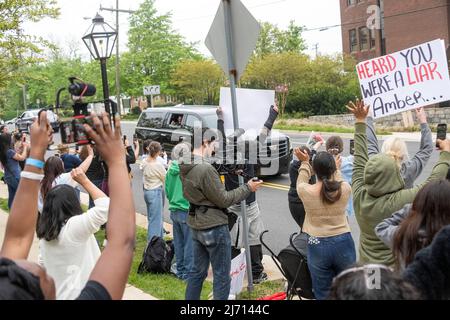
179,212
379,190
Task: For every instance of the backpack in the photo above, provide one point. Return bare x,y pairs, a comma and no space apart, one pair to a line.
157,256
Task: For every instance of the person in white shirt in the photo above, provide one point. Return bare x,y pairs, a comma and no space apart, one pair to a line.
54,175
153,174
68,248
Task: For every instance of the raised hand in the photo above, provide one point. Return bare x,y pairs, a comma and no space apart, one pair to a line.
444,145
302,156
109,144
41,136
79,176
421,115
359,109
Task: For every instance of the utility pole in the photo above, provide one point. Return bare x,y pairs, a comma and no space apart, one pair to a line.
316,47
117,11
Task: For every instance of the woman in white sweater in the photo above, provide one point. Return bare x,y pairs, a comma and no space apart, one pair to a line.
68,248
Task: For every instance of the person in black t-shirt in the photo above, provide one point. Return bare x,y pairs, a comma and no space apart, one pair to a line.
24,280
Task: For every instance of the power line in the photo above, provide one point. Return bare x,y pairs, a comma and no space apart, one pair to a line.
385,17
211,15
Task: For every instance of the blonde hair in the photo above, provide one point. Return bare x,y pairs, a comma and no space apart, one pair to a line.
396,148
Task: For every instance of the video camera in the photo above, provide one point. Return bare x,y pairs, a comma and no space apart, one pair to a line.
72,131
239,165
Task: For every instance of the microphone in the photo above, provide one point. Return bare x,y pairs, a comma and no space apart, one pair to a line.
81,89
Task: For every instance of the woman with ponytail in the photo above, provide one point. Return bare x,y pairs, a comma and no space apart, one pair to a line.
330,245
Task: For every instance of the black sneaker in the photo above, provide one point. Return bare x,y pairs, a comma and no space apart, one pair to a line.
261,278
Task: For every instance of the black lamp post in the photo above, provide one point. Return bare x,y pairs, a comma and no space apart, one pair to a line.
100,39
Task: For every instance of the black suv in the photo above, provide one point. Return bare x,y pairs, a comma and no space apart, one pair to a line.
169,125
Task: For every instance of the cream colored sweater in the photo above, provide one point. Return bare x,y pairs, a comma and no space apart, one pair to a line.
322,219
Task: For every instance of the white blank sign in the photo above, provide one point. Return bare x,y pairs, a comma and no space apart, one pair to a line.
253,108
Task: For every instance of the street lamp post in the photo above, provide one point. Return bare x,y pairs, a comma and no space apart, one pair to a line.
100,39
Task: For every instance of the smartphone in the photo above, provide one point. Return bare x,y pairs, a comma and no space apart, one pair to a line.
441,132
73,132
352,147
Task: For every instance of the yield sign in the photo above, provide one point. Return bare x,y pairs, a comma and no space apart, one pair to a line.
245,32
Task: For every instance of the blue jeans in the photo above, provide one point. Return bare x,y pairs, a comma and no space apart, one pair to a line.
153,200
211,245
327,257
12,183
182,241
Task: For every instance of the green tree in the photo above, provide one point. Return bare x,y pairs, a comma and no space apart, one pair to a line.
154,50
18,49
276,69
274,40
199,81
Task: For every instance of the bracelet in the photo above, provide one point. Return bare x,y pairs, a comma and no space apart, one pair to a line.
31,175
35,163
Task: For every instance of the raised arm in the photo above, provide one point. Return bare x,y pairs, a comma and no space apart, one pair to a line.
440,170
81,227
268,125
361,153
23,155
87,162
113,267
415,166
22,219
372,146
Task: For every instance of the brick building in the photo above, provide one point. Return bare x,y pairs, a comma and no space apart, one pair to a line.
403,24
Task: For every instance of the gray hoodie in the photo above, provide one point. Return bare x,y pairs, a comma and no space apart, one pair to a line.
387,228
410,169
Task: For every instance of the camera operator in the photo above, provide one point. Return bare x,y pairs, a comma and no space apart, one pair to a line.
255,223
208,219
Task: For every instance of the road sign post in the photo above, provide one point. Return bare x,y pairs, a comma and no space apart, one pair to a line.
151,91
232,50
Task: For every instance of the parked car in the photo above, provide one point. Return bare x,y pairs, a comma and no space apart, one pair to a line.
169,125
11,124
25,121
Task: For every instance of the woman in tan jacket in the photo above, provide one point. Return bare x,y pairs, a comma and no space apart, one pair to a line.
330,245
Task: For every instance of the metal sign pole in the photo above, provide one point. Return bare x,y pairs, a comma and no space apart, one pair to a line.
232,76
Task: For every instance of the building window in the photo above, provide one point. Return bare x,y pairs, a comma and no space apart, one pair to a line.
364,35
372,39
353,41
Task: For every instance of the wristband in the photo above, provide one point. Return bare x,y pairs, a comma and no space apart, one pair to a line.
31,176
35,163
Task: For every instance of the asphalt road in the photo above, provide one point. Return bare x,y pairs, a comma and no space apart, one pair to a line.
272,198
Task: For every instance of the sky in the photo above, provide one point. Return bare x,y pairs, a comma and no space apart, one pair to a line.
193,18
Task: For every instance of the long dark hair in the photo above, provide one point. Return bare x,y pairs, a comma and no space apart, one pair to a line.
324,166
61,204
5,145
430,212
53,168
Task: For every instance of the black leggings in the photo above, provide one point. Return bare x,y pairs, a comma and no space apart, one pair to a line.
298,212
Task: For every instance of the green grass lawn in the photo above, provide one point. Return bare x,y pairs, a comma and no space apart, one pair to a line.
264,289
4,205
